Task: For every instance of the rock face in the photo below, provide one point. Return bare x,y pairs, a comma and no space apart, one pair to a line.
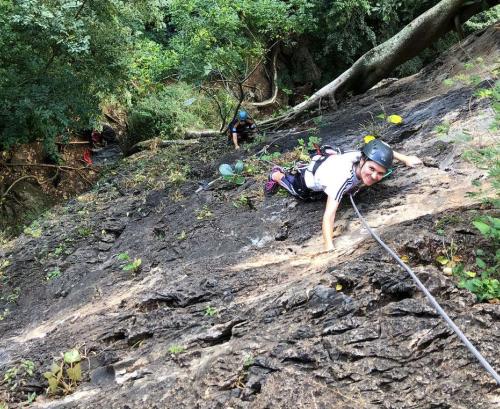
238,309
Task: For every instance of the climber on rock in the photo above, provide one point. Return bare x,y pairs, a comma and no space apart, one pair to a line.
241,128
336,174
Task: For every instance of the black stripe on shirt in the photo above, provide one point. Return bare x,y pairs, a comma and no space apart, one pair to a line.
345,187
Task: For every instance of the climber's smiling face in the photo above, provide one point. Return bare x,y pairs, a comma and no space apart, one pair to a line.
370,172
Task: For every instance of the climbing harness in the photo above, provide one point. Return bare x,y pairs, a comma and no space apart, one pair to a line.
432,300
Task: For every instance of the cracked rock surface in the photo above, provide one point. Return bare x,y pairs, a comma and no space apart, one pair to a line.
264,320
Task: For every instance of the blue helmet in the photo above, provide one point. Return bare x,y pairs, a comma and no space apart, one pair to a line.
243,115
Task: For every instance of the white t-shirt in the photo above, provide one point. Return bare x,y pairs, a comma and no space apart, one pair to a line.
335,176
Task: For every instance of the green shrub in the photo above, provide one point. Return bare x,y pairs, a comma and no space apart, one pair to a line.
483,279
168,112
58,59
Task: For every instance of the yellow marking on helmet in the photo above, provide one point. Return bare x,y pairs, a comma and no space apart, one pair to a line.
368,138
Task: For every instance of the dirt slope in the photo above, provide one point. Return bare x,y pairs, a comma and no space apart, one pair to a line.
282,335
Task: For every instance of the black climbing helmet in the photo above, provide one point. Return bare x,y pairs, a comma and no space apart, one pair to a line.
379,152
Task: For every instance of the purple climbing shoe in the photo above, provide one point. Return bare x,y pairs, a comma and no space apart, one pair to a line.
271,186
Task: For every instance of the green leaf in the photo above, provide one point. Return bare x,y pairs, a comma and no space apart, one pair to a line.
495,222
48,375
239,180
123,257
176,349
31,397
482,227
52,385
55,369
72,356
480,263
442,260
75,373
238,167
226,170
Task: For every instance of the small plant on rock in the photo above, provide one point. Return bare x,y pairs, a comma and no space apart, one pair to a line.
176,349
248,361
130,265
84,231
204,213
211,311
51,275
233,175
4,314
64,374
242,201
13,296
271,157
177,196
123,256
16,378
133,266
303,148
483,278
33,230
442,129
179,175
3,265
62,248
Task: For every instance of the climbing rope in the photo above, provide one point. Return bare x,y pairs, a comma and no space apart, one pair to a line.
432,300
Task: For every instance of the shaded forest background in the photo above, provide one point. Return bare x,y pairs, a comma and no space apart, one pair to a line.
170,65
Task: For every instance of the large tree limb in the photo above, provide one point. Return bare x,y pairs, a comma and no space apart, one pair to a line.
207,133
377,63
274,82
46,165
159,143
4,195
58,167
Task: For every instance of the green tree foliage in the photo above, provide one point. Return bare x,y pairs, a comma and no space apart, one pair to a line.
349,28
168,111
59,58
227,36
203,43
482,20
62,60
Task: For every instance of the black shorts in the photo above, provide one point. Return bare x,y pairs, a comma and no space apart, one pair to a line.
295,184
244,135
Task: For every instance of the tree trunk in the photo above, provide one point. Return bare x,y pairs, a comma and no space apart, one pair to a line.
377,63
208,133
271,100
